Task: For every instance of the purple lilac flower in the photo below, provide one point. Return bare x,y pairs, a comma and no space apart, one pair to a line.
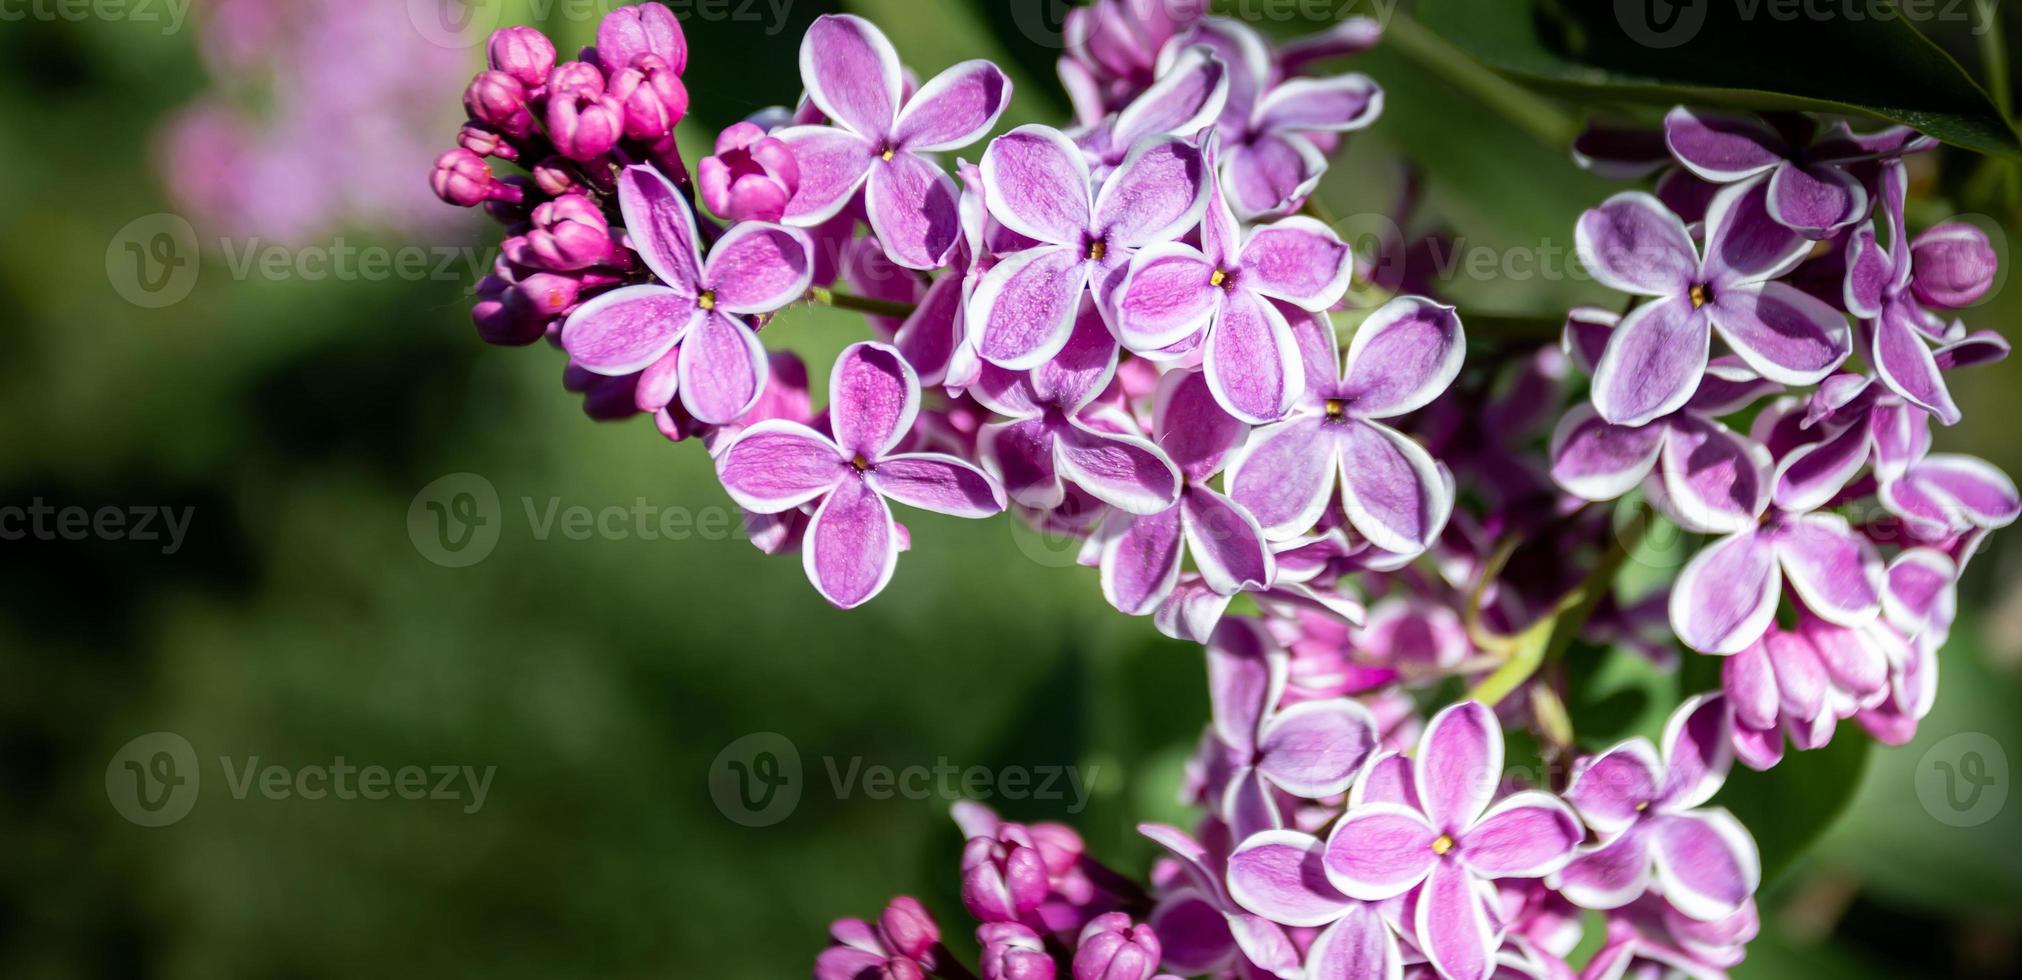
1655,359
852,541
693,314
1392,491
1811,191
1187,98
1649,812
904,944
1037,183
1222,292
853,76
751,177
1111,50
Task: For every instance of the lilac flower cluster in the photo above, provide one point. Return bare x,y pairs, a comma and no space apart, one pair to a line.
1805,445
1136,332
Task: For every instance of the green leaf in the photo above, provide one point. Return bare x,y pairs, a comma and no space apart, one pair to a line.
1739,55
1790,807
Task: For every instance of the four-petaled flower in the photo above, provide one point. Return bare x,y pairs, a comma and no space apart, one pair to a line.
1811,191
1395,495
852,544
1431,828
695,314
878,138
1656,357
1036,182
1649,813
1174,291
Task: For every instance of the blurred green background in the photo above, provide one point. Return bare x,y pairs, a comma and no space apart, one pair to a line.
299,417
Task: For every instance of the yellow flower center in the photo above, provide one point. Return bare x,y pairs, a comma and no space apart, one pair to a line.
860,464
1698,295
1096,250
1218,278
1336,408
707,300
886,156
1443,845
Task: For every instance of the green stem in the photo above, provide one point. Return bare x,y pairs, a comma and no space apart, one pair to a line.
1528,111
823,296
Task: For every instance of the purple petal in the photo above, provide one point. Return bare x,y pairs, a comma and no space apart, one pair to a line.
1360,946
1698,751
1837,572
1076,376
1919,588
1611,790
1869,275
1187,97
1707,865
1156,193
1166,296
1271,175
1249,805
1528,835
1253,365
1314,749
913,206
1955,265
1981,347
1743,243
1458,765
1721,147
852,546
1280,875
1228,547
1386,780
873,399
1815,201
1980,494
624,330
1298,260
833,165
1654,362
852,74
1141,564
1585,338
1246,676
661,226
1750,686
1192,932
1609,876
1391,488
1195,432
1856,664
1906,364
723,370
1811,476
1024,309
1036,183
759,267
1020,454
1594,460
1726,596
778,465
1335,105
1801,680
937,482
934,338
954,109
1125,472
1265,943
1633,243
1402,357
1284,475
1787,336
1715,481
1453,924
1379,851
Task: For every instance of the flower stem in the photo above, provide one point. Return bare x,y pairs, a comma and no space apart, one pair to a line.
1526,110
823,296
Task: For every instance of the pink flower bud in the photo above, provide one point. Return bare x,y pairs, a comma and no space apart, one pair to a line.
499,323
1002,880
485,141
585,126
522,52
908,928
569,233
499,100
461,178
1954,263
1014,952
751,177
1112,948
654,98
646,29
575,78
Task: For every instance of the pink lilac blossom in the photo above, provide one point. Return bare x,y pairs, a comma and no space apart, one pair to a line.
1130,332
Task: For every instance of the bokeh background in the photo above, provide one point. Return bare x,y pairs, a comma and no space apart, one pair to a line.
298,411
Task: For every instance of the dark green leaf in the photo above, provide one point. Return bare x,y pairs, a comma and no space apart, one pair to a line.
1751,54
1789,807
